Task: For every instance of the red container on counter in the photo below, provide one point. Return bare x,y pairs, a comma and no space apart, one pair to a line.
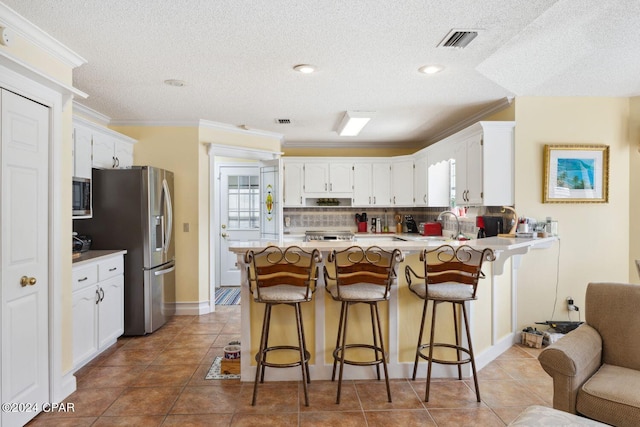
432,229
362,227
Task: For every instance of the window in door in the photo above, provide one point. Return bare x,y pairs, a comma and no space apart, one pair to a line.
244,202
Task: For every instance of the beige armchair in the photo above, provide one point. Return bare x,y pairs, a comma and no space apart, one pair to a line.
596,367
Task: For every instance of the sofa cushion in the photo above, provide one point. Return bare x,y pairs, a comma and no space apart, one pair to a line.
542,416
611,395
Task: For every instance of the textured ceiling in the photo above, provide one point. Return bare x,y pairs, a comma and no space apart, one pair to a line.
237,57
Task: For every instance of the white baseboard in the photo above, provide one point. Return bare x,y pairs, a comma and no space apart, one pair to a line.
192,308
68,385
489,355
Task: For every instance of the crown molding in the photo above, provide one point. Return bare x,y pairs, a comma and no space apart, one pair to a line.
90,113
354,144
10,19
494,108
158,123
79,120
17,65
244,131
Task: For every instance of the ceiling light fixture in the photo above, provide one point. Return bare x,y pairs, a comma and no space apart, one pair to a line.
175,83
305,68
353,121
430,69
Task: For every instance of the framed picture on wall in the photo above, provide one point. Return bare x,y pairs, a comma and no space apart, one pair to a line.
576,173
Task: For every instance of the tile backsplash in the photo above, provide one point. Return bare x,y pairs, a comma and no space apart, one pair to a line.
302,219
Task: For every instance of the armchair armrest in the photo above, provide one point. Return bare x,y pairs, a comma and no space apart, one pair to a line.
571,361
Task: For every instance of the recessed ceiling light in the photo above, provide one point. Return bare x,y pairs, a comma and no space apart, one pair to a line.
174,82
305,68
431,69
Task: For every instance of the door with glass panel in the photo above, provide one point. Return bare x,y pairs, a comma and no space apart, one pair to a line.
239,216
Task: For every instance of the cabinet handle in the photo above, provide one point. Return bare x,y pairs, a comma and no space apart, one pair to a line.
374,200
394,200
325,186
424,198
331,187
369,199
300,199
113,161
113,269
102,292
83,279
117,162
97,297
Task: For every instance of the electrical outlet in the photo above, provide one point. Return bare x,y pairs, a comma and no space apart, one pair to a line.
570,305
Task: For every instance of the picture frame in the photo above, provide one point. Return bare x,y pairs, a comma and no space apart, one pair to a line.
576,173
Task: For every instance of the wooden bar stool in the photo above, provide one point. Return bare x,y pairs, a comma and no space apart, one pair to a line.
361,276
282,277
450,275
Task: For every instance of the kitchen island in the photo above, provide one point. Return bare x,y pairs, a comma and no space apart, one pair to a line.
493,317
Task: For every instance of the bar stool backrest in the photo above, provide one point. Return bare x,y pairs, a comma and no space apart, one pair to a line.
463,265
372,265
273,266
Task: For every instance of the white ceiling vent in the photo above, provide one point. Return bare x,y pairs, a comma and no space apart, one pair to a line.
283,121
458,38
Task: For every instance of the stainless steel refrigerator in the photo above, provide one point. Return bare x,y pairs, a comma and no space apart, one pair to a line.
133,210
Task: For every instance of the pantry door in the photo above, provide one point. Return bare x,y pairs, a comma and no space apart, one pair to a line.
24,129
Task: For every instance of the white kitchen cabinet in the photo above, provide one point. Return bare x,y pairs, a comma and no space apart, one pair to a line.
110,152
328,177
484,167
293,184
107,149
81,152
420,180
97,306
402,181
372,183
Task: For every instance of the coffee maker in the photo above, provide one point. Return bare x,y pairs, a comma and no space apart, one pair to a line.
411,224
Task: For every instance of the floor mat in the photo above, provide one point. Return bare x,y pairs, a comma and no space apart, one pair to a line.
214,372
228,296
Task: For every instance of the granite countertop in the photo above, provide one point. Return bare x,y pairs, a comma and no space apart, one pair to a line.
95,254
410,243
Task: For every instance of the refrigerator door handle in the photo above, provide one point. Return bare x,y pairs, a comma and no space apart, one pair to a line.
165,271
169,223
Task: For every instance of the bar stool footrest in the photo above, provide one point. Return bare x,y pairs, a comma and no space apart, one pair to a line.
379,361
307,357
441,361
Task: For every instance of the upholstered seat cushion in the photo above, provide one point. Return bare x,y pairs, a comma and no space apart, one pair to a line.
282,293
611,395
444,291
358,292
542,416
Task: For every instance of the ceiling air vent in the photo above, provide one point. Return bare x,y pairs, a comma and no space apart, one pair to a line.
458,38
283,121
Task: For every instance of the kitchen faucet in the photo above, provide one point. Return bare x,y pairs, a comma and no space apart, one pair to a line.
458,233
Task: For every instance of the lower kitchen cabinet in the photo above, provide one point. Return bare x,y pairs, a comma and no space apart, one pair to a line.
97,306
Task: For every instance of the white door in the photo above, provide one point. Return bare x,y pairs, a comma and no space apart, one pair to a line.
239,216
25,348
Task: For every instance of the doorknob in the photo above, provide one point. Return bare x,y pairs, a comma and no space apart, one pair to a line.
223,226
25,281
224,235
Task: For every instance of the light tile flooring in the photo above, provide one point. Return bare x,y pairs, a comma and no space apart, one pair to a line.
158,380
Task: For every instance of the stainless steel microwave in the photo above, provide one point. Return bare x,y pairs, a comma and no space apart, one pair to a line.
81,197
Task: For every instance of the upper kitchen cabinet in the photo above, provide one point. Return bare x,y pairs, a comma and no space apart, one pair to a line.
402,181
372,183
420,180
107,149
293,183
111,152
81,151
333,178
483,155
